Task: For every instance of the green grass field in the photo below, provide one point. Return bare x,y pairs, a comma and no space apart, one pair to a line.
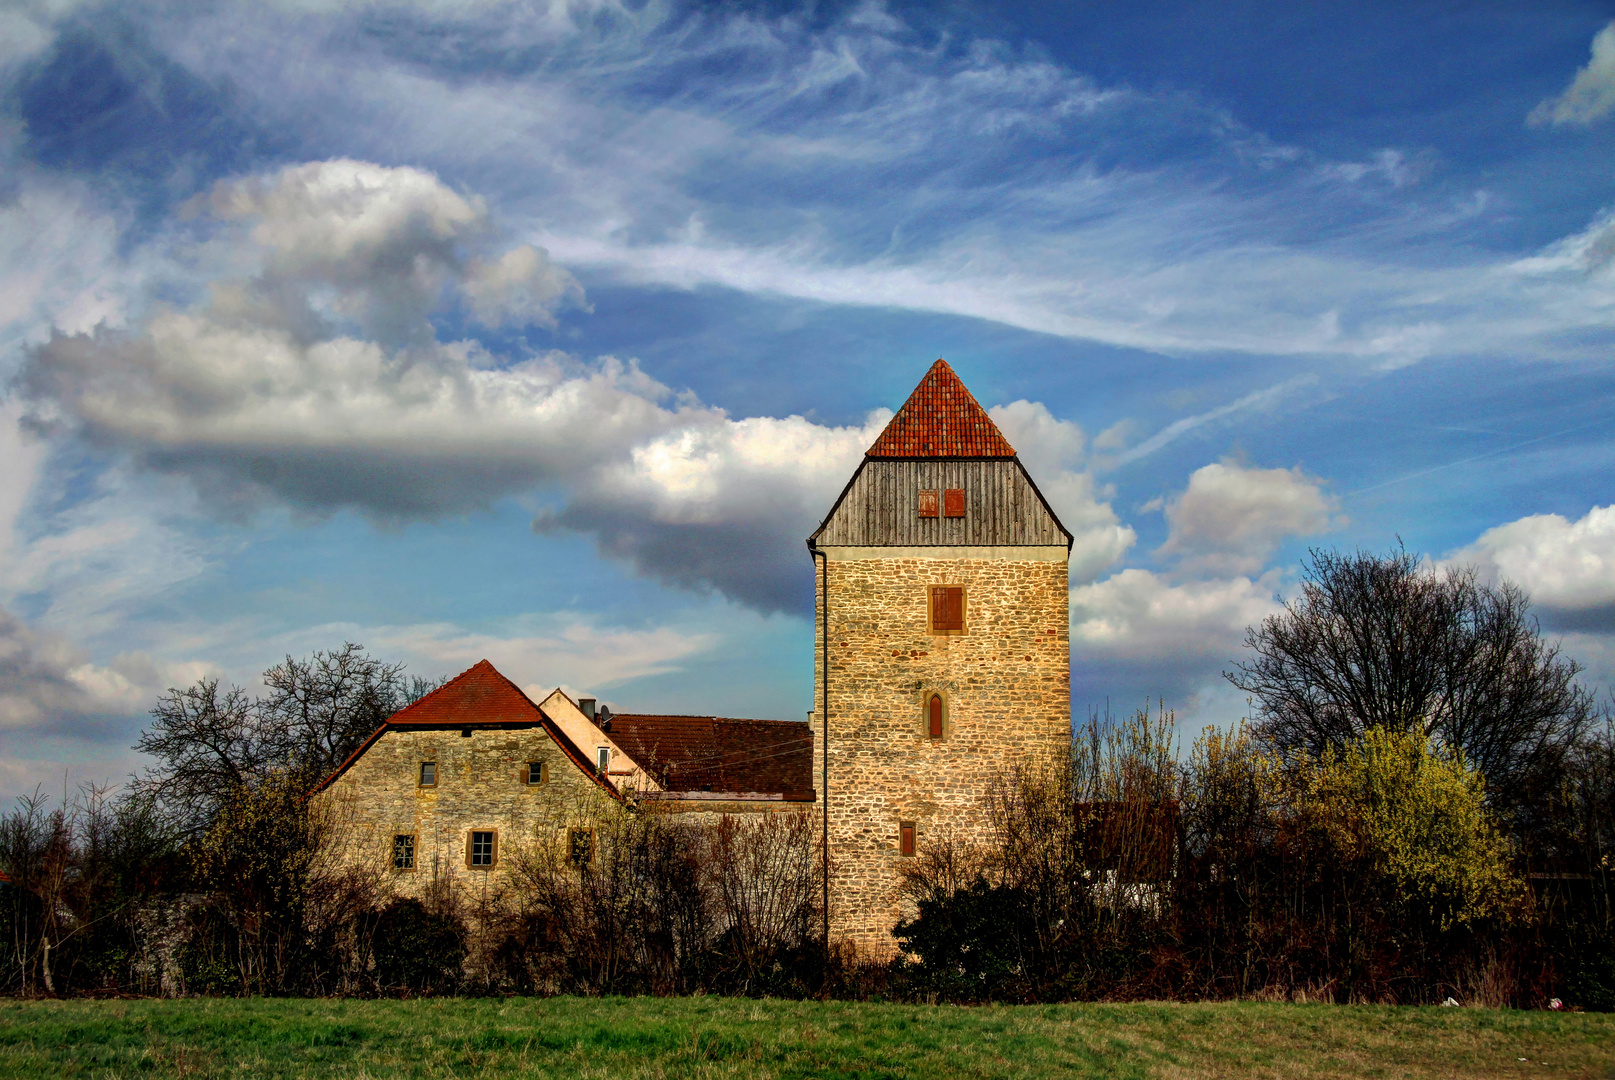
623,1038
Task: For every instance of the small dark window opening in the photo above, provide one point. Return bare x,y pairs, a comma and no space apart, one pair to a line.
465,733
953,502
428,774
928,504
905,838
580,846
404,852
947,608
535,772
935,717
484,846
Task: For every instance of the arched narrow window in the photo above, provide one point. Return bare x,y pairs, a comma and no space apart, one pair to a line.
936,716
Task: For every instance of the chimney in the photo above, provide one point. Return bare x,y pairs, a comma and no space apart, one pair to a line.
587,705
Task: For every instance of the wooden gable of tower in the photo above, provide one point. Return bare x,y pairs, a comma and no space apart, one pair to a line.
941,474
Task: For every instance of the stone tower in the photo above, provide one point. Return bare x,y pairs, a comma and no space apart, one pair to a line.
942,645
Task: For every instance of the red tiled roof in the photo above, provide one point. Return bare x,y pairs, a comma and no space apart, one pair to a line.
479,695
941,419
713,753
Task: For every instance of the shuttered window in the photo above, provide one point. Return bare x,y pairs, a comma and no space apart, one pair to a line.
947,609
953,502
928,504
905,838
936,716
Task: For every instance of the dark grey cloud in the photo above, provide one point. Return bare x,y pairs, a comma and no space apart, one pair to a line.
48,687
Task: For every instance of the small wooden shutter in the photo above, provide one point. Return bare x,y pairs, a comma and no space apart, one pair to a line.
905,838
947,608
953,503
928,504
936,716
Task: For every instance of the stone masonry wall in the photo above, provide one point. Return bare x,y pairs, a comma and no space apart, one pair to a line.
1006,683
480,786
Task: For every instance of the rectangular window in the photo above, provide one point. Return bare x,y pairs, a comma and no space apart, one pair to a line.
947,609
580,846
404,851
953,502
428,774
928,504
905,838
602,758
482,849
535,772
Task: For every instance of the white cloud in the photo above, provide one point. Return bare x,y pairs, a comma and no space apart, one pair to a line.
264,391
1591,94
537,652
1137,633
1137,615
49,686
59,266
1054,451
389,241
22,455
520,286
1563,564
1231,518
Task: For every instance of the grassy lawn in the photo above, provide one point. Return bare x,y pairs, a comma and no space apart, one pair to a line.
623,1038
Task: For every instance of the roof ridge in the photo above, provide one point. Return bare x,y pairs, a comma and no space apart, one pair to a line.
466,674
941,418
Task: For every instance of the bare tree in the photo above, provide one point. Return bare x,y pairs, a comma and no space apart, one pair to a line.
320,709
211,742
1383,641
207,743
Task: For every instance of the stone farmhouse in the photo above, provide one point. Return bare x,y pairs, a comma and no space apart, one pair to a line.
941,658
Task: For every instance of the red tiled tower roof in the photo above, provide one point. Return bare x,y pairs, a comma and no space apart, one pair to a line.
941,419
479,695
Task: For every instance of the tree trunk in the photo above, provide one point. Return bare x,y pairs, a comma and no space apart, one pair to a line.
50,987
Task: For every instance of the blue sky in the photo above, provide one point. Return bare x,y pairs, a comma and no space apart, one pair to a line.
545,333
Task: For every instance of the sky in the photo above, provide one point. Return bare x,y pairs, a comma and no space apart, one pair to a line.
546,333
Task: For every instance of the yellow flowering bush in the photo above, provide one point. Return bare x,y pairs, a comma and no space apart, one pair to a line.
1413,815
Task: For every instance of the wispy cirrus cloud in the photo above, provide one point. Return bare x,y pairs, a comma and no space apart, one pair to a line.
857,161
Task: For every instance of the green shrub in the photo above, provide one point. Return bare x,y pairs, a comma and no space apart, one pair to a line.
416,949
